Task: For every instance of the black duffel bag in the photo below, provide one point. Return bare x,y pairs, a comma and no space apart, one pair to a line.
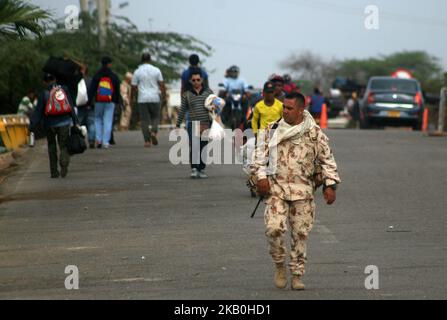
76,141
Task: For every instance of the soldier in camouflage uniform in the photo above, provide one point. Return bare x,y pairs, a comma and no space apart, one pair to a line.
285,164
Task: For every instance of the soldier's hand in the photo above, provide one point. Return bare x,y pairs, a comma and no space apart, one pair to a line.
263,187
329,195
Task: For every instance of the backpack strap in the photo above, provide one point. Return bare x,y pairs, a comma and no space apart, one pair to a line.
276,124
273,127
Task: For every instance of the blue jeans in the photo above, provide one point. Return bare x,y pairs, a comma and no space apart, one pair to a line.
104,121
86,116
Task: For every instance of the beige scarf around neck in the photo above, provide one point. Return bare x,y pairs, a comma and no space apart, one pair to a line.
285,132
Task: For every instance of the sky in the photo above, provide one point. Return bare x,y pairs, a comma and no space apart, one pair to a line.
257,35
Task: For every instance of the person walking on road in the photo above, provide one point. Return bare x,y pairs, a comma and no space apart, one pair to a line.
194,64
316,104
354,109
148,82
56,109
104,93
268,110
285,166
126,114
27,104
86,112
289,85
278,81
193,101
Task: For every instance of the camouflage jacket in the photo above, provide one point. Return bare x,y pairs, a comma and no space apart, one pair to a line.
292,177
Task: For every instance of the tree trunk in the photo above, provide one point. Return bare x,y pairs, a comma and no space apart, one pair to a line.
84,5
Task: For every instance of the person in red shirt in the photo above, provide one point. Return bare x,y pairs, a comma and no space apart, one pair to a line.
289,85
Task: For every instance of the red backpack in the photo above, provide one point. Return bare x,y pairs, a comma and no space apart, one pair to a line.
57,103
105,90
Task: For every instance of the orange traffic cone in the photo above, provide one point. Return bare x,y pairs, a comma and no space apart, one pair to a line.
425,121
323,118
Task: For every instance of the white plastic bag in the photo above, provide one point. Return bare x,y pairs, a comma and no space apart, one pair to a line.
82,98
216,132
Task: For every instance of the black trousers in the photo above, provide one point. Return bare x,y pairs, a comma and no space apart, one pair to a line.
199,166
58,136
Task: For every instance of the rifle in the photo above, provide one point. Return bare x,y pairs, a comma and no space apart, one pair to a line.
256,208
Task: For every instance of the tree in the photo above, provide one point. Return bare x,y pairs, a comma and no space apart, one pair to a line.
124,44
311,67
19,19
424,67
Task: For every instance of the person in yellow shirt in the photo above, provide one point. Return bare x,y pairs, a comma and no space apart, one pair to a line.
267,110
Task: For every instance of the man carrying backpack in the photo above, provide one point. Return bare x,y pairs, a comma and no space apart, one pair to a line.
286,163
86,113
55,107
104,92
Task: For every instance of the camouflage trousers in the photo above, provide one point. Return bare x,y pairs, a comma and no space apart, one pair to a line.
125,117
300,217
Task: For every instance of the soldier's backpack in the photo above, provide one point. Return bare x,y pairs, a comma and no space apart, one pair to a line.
105,90
57,103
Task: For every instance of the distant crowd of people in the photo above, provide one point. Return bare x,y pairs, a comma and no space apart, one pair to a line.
93,104
97,100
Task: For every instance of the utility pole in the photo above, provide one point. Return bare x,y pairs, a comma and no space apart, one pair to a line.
84,5
103,7
442,107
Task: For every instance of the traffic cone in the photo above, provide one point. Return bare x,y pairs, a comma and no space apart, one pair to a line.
425,120
323,118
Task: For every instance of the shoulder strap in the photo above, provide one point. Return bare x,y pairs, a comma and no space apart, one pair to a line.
276,124
273,127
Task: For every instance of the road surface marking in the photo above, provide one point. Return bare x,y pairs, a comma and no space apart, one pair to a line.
139,280
81,248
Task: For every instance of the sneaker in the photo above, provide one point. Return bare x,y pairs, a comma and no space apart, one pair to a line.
64,171
99,146
154,139
147,144
55,175
92,145
194,173
106,146
202,174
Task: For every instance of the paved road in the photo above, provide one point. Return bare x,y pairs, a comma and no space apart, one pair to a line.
138,227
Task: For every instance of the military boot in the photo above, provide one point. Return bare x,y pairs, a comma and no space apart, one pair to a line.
297,284
280,276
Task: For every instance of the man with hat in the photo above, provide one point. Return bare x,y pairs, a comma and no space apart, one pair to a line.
268,110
